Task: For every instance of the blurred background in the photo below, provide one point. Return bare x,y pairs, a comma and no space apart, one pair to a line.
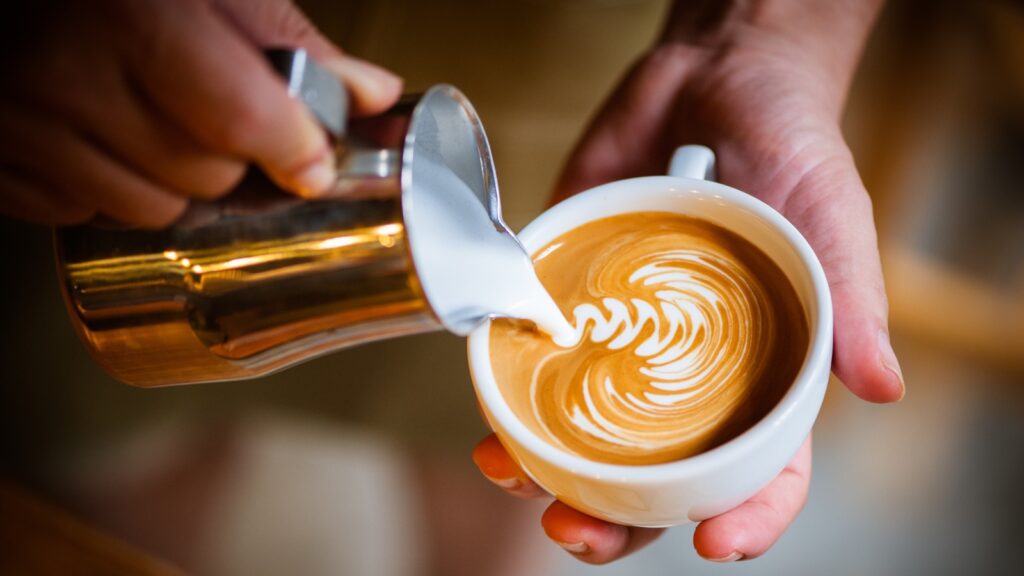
358,463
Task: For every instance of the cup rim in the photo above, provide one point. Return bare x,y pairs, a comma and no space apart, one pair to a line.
804,384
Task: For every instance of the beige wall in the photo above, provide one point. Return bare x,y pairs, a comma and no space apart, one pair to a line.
534,69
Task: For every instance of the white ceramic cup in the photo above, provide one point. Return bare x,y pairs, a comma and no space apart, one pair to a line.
710,483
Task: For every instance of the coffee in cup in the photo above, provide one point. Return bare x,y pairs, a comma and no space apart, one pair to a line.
722,473
686,335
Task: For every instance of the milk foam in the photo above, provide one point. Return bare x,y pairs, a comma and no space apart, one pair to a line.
683,333
470,267
680,367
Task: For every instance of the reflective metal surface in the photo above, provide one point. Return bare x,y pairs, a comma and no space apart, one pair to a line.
314,86
254,282
261,280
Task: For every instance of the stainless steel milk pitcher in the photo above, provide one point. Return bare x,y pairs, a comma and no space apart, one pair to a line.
261,280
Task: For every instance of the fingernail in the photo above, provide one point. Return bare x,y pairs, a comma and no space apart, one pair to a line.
506,483
517,487
317,177
888,357
730,558
574,547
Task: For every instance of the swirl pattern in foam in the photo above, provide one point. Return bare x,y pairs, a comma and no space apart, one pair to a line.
686,335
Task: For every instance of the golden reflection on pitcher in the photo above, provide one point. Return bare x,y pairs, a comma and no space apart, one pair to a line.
687,335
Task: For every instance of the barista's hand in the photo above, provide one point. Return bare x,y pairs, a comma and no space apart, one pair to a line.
746,531
130,107
773,121
769,106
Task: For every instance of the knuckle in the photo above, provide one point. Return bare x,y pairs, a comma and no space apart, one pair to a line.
300,156
671,57
291,25
249,122
210,183
70,215
276,22
863,202
163,215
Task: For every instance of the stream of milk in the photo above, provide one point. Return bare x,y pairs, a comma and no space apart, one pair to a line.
471,268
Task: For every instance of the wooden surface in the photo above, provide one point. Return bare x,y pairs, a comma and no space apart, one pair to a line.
38,539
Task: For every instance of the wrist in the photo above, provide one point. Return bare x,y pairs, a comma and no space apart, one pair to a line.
824,38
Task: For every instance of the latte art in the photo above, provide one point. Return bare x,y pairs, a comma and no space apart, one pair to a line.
698,335
686,334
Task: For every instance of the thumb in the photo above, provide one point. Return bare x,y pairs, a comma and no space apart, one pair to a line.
279,23
832,209
627,136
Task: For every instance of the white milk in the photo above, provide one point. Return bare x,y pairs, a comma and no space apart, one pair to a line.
469,267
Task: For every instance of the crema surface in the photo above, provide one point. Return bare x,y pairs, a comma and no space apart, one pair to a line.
687,335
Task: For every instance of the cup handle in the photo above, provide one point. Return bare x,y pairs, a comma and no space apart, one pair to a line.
693,161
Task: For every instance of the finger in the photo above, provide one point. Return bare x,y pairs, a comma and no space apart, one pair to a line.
82,175
118,192
750,529
591,540
162,151
373,89
625,138
166,155
211,81
864,357
25,198
497,465
832,209
112,113
274,23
